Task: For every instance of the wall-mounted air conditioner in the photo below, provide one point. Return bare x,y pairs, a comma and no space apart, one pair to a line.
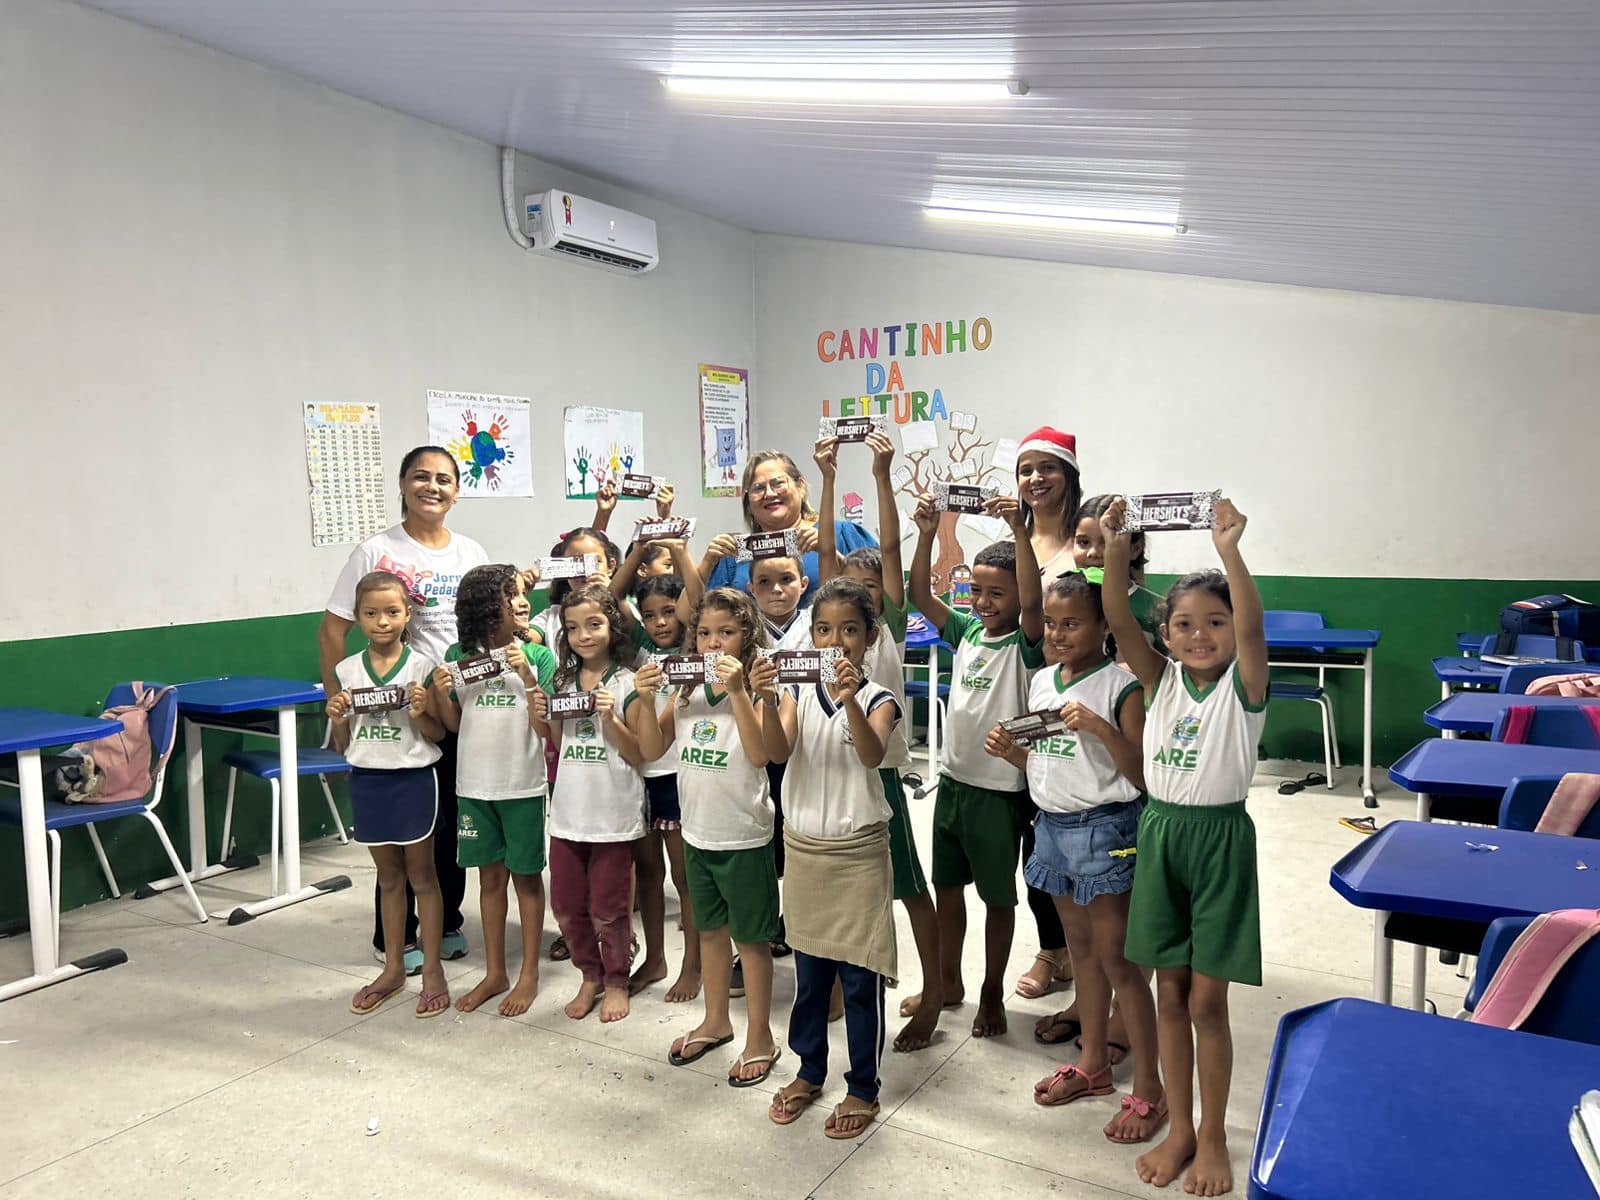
558,222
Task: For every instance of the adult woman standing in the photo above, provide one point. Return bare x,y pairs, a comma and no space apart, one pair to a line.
431,560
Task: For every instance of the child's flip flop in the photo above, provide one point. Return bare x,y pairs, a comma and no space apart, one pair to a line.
786,1108
831,1125
741,1062
427,998
1058,1027
678,1059
376,998
1141,1109
1366,825
1098,1084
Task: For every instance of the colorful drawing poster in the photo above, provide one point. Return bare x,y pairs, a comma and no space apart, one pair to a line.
724,428
344,461
490,437
602,445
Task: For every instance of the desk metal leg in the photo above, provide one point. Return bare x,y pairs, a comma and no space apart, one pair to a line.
1368,798
1424,806
195,785
1419,978
1382,959
41,917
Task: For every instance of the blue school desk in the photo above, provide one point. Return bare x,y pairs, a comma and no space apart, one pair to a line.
238,704
1449,767
1442,1107
1468,643
1337,649
1429,870
1476,712
24,732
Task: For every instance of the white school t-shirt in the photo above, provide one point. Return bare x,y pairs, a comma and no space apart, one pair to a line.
1071,773
725,799
827,792
988,684
431,575
498,755
599,795
884,664
388,741
666,764
1200,744
796,635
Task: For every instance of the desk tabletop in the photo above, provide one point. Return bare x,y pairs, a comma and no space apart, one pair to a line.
1427,868
1349,1063
1476,712
1451,767
1471,641
1454,668
35,728
1332,639
244,693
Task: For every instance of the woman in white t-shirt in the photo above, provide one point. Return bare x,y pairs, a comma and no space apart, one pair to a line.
430,560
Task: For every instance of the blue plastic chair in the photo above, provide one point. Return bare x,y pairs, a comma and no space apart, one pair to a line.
1537,645
1525,800
1290,620
1567,1009
1516,679
264,764
1569,728
163,727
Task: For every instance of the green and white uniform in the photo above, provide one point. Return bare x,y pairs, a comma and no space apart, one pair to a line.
884,664
1069,773
988,684
1200,743
387,741
827,793
498,755
726,801
599,795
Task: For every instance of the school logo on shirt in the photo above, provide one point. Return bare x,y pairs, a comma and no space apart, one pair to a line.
495,695
702,755
704,732
584,729
1057,747
1181,754
377,733
1186,730
974,680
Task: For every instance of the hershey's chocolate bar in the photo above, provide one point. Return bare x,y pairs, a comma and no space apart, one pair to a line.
666,527
477,668
785,543
1034,727
379,699
678,669
640,487
962,497
851,429
1156,512
806,666
580,704
568,568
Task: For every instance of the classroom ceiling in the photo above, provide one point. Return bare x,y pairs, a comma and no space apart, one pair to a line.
1443,148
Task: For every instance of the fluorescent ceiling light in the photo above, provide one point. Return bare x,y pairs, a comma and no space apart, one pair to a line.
823,91
1110,221
849,69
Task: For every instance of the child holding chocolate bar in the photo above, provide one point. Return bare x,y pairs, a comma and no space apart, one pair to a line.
597,808
715,735
878,570
1087,781
1195,915
839,889
500,771
575,543
982,805
393,791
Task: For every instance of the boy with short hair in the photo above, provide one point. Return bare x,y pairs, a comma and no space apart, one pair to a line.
982,804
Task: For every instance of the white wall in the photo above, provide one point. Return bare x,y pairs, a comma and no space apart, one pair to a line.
194,244
1364,435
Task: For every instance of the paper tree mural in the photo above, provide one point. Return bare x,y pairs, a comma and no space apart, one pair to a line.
963,463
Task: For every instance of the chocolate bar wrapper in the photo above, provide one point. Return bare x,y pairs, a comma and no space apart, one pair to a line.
639,487
564,707
667,527
785,543
963,497
477,668
851,429
806,666
568,568
1157,512
378,699
1034,727
679,669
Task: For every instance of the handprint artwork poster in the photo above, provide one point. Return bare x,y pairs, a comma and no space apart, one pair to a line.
490,439
602,445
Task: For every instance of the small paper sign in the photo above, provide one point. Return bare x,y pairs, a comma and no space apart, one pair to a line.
1164,511
851,429
962,422
477,668
900,476
961,586
962,497
965,469
565,567
805,666
785,543
640,487
1004,455
666,527
563,707
378,699
1034,727
918,435
679,669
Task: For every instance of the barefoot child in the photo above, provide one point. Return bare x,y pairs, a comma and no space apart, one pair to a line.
392,787
500,774
983,801
716,738
1195,915
839,889
878,569
597,809
1088,786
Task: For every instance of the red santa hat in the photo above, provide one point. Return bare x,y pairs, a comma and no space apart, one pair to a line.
1052,441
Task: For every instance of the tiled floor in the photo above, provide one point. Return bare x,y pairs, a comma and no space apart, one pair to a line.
224,1061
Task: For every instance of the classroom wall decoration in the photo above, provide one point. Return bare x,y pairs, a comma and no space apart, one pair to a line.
489,437
344,460
724,428
602,445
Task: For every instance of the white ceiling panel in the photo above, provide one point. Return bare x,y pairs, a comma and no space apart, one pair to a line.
1445,148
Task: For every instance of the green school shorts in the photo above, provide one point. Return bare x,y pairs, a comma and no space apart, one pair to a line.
909,880
977,838
734,888
508,831
1195,901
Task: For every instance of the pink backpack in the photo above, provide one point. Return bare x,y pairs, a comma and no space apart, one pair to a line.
120,767
1532,964
1565,685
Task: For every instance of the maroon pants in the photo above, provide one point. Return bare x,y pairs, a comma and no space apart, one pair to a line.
589,889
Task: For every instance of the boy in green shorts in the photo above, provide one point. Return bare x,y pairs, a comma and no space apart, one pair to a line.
981,808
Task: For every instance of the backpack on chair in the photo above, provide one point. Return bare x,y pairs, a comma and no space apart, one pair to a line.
114,769
1566,618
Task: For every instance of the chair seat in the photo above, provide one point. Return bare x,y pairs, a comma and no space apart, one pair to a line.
65,816
264,763
918,689
1295,691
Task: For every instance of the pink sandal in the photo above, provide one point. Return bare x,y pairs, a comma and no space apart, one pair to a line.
1098,1084
1142,1109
